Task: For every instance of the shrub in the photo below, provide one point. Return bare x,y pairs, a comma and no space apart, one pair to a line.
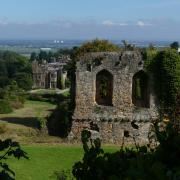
5,107
41,122
3,128
141,162
16,104
63,175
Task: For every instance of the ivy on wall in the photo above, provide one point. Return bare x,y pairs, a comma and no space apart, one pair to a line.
165,66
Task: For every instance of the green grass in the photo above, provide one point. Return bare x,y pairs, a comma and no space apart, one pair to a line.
21,124
45,160
31,109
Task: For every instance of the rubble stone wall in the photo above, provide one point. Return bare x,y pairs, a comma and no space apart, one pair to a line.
112,121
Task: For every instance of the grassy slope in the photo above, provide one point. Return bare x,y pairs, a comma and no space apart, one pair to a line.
44,160
22,123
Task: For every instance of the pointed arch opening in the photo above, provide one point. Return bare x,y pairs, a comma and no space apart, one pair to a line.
140,90
104,88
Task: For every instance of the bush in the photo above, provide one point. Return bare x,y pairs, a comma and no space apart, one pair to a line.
63,175
41,122
35,97
3,128
5,107
16,104
142,162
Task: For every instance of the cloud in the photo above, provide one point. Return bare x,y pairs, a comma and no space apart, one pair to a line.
142,23
139,23
91,28
111,23
3,21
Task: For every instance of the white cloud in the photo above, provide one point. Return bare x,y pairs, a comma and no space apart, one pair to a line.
142,23
108,23
3,21
139,23
111,23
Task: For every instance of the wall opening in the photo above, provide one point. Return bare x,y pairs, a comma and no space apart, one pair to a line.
140,90
104,88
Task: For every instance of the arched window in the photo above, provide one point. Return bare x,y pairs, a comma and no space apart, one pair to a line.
104,88
140,90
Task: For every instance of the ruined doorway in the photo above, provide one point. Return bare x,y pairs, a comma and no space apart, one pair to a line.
104,88
140,90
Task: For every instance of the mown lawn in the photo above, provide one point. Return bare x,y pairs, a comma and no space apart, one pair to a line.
45,160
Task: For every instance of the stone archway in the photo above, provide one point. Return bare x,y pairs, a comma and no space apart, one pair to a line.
140,90
104,88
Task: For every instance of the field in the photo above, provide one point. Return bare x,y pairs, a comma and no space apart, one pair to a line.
47,154
46,159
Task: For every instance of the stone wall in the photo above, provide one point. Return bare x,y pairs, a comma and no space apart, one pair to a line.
112,121
49,75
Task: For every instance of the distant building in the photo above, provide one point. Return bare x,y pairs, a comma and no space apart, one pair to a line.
50,75
45,49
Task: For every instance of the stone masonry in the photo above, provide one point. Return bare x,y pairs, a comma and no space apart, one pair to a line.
50,75
108,107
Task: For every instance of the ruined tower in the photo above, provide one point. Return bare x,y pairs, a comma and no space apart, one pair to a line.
114,96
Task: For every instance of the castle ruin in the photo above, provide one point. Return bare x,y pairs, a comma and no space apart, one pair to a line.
50,75
114,96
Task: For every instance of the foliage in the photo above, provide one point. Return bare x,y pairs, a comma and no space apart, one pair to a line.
165,66
41,122
49,56
5,107
14,67
59,122
128,46
142,162
174,45
9,148
11,97
63,175
96,46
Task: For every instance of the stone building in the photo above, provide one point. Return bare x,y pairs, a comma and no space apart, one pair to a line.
114,97
50,75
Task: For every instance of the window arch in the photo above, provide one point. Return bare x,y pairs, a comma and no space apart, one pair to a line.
104,88
140,90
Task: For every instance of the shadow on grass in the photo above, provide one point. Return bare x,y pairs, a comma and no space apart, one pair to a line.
26,121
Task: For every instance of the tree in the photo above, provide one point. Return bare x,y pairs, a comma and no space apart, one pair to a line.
96,46
12,66
33,56
174,45
23,80
43,56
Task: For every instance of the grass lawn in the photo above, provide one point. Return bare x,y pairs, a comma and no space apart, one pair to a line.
44,160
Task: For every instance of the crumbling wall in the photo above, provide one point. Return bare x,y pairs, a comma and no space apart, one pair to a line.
115,120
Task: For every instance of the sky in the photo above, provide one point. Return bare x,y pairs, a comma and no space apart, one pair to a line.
89,19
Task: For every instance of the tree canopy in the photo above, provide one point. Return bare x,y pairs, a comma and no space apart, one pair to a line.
96,46
174,45
14,67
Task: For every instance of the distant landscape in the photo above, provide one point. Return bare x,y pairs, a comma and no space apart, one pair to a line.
26,47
